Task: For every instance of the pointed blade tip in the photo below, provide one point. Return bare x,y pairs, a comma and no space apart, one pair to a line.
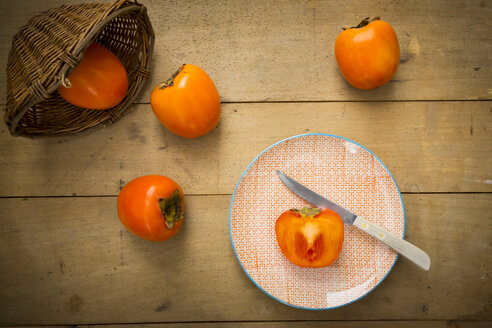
280,174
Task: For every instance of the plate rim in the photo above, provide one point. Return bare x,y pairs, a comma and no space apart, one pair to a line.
234,195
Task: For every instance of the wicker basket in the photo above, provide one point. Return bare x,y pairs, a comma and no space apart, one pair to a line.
50,46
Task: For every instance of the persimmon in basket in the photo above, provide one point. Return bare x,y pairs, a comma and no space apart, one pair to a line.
100,81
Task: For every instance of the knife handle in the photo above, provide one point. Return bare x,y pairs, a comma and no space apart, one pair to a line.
410,251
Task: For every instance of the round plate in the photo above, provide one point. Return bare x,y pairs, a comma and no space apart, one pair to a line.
342,171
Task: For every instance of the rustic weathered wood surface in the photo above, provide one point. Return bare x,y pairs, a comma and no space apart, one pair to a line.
283,50
428,146
66,260
305,324
69,260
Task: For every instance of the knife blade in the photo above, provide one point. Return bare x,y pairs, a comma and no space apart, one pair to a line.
316,199
408,250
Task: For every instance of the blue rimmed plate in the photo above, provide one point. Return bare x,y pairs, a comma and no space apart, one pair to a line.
341,170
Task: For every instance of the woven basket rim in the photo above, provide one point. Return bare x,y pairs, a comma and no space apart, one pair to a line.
121,7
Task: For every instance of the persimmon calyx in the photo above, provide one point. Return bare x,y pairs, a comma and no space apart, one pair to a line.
308,211
171,209
363,22
170,81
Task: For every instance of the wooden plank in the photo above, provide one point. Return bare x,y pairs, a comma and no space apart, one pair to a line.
327,324
69,261
428,147
299,324
262,51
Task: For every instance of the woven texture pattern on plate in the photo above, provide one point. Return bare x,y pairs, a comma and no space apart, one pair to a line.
50,46
339,170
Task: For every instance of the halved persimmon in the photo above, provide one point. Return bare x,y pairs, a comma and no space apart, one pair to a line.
310,237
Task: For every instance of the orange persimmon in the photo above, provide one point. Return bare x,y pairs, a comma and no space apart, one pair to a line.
368,54
100,81
188,103
151,207
310,237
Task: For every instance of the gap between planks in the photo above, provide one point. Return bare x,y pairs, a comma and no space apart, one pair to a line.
338,101
438,322
330,101
208,195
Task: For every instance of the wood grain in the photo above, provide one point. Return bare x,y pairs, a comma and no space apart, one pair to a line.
427,146
266,51
300,324
69,261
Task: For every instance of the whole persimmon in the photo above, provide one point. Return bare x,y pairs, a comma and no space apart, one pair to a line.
100,81
151,207
188,103
368,54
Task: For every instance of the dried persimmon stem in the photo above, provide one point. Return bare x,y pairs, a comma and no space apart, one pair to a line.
363,23
170,81
308,210
171,209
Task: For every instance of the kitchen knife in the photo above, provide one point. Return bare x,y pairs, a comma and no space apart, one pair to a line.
411,252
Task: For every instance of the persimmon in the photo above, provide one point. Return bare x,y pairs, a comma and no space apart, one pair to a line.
188,103
368,54
151,207
100,81
310,237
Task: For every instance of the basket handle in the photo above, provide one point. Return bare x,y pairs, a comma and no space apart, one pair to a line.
72,60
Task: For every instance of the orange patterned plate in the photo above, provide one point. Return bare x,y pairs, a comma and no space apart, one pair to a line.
342,171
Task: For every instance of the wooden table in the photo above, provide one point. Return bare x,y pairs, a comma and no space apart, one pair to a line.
65,259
